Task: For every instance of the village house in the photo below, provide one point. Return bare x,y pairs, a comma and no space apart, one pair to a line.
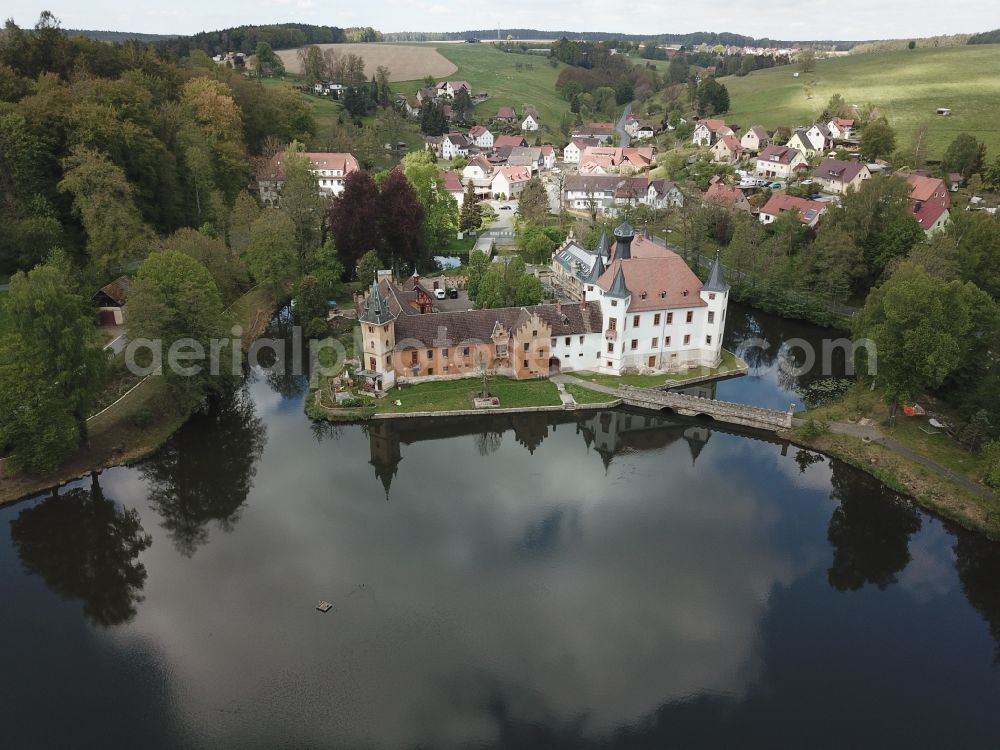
453,186
725,196
454,145
575,148
481,136
330,170
801,141
506,114
807,211
612,159
819,135
755,139
508,182
930,201
726,150
602,132
590,193
526,156
428,94
841,128
645,130
779,162
450,88
530,120
509,141
479,172
708,131
111,300
836,176
548,156
663,194
641,310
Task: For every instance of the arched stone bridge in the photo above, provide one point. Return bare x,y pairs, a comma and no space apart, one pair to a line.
693,406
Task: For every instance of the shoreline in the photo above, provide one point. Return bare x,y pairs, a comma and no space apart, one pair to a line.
121,435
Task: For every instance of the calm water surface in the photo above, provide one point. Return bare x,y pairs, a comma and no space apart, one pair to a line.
601,580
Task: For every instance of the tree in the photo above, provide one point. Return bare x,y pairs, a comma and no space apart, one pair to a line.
368,267
911,44
440,208
878,139
712,98
971,242
470,218
923,328
311,307
533,203
174,299
241,218
302,203
353,218
328,270
228,272
507,284
52,368
400,220
267,62
103,201
462,104
479,264
807,60
832,264
962,155
312,63
271,254
976,431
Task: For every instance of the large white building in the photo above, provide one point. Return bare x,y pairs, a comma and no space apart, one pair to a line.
330,170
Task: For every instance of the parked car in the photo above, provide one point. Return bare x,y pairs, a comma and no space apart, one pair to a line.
453,293
439,294
505,208
776,186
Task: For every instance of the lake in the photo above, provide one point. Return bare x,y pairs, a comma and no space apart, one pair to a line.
575,580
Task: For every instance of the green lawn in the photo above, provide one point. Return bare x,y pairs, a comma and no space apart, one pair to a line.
489,70
906,85
729,364
454,395
586,396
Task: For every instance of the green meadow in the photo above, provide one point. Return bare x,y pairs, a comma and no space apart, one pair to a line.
906,85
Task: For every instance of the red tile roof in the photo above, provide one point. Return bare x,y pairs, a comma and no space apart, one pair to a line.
809,211
779,154
722,194
509,140
663,279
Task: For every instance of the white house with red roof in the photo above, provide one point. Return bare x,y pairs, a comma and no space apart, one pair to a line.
453,186
481,136
841,128
709,130
930,201
575,148
508,182
330,170
779,162
807,211
727,150
548,156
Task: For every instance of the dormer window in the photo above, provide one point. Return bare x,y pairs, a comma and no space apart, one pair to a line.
684,293
663,295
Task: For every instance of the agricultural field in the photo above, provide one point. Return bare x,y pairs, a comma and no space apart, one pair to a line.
906,85
489,70
405,62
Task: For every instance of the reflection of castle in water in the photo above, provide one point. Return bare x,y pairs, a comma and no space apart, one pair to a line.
609,433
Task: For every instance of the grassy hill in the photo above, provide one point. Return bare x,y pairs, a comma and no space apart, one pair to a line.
906,85
488,69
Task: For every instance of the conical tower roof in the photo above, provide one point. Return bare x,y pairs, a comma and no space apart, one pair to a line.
716,279
603,248
376,309
618,288
596,270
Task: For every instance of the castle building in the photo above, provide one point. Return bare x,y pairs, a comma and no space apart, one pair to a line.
640,308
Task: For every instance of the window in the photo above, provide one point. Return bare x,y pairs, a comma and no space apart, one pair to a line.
526,346
663,295
652,363
554,342
444,353
525,363
614,303
635,343
656,319
708,340
611,348
607,364
430,370
371,344
670,318
656,342
666,341
371,363
612,324
568,340
388,362
687,339
581,340
387,343
711,295
690,316
635,321
430,354
465,351
385,328
534,333
413,358
711,316
643,295
501,350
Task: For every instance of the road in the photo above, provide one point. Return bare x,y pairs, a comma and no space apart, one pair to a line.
623,137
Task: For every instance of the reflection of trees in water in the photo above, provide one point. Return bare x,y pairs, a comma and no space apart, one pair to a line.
284,372
978,563
323,430
870,532
205,472
86,547
488,442
805,459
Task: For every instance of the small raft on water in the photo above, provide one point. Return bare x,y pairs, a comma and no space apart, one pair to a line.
324,606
